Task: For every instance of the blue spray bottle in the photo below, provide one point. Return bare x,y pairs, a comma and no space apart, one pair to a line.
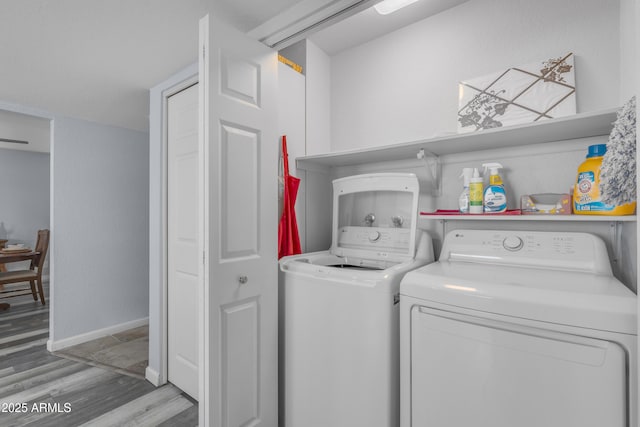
495,198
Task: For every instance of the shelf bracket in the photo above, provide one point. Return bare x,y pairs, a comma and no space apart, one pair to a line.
432,164
616,243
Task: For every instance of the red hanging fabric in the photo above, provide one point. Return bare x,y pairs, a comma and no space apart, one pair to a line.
288,237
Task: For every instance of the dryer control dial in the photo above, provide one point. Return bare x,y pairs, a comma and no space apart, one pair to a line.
374,236
512,243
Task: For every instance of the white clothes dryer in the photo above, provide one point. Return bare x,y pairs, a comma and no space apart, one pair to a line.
341,310
522,329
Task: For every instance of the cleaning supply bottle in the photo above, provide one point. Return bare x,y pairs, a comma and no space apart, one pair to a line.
476,185
586,193
463,200
494,198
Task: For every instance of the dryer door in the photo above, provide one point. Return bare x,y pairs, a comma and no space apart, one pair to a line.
469,371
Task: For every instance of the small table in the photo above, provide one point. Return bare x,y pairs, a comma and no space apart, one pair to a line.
17,257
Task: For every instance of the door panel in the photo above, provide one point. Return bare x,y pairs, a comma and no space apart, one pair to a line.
182,240
240,79
240,191
241,179
241,363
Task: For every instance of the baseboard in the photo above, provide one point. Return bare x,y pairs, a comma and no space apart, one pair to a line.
152,376
92,335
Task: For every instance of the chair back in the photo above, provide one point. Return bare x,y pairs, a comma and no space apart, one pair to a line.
42,245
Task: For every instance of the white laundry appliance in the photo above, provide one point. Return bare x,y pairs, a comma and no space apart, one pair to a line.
341,326
522,329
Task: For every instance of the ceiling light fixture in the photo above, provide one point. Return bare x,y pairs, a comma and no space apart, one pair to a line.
389,6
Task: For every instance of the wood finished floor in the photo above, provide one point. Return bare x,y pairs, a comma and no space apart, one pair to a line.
125,352
43,383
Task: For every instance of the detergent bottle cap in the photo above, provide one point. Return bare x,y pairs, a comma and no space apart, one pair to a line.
597,150
466,176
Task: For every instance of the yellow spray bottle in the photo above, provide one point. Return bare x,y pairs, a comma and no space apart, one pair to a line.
476,185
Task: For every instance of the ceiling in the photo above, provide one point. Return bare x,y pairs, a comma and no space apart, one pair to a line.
369,24
97,59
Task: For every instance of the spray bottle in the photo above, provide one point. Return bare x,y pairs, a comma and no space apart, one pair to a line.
495,198
476,185
463,200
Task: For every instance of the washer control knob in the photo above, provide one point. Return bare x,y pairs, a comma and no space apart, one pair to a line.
374,236
512,243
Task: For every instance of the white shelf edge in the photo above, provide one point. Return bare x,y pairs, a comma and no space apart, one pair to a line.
582,125
568,218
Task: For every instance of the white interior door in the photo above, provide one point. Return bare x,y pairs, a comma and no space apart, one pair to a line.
182,245
239,78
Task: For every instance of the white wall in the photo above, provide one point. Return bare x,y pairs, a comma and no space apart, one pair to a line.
318,88
99,226
404,86
628,50
318,122
25,196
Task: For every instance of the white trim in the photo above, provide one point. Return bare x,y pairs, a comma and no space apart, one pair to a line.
98,333
51,273
152,376
303,18
204,408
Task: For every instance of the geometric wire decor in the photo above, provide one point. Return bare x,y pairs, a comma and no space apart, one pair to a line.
538,91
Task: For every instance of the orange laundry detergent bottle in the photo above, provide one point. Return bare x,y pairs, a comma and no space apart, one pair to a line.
586,193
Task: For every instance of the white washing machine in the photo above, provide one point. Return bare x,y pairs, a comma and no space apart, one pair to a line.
524,329
341,326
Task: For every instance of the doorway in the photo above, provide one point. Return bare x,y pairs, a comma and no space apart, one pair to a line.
25,162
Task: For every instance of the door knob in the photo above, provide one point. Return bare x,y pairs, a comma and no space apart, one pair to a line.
243,279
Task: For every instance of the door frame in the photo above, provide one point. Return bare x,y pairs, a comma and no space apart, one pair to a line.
184,84
157,371
203,217
44,115
179,87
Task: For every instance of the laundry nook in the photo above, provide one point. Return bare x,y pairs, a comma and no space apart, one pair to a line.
319,213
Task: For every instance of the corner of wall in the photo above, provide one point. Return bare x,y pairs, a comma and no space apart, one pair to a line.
629,43
318,104
153,377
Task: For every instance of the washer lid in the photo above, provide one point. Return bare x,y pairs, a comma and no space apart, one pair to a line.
375,216
562,297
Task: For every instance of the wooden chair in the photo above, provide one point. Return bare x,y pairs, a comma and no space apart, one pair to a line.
2,243
34,274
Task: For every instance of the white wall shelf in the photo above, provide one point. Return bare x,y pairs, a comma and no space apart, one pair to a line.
564,128
558,218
